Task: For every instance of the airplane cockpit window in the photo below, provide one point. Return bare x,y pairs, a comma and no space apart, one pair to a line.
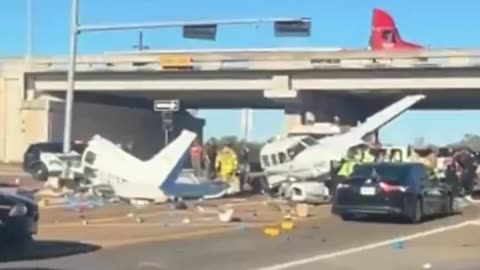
265,161
90,157
274,159
282,157
309,141
295,150
388,36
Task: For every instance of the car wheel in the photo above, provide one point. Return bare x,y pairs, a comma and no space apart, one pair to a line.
417,215
449,205
40,172
20,239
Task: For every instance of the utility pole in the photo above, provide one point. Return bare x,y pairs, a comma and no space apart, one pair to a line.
140,45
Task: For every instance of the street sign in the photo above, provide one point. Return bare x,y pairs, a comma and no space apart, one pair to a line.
166,105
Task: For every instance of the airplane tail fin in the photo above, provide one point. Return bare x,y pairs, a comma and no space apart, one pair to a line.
385,34
167,164
384,116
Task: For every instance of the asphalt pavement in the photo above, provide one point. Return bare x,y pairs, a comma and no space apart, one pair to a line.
326,243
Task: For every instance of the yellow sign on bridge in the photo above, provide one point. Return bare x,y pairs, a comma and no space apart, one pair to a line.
176,61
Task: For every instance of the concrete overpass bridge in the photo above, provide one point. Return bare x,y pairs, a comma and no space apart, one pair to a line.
350,84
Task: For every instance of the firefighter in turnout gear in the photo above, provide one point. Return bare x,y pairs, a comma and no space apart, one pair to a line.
226,165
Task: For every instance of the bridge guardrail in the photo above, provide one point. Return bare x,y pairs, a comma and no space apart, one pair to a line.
266,60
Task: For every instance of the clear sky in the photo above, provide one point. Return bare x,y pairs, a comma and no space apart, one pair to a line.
341,23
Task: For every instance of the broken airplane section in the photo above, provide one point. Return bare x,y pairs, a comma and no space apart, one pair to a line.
157,179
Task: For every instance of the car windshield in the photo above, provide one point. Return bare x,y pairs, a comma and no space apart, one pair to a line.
388,172
47,147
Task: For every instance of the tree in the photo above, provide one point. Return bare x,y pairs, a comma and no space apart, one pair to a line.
471,141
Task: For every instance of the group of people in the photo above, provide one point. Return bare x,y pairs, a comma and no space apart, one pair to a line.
218,161
461,172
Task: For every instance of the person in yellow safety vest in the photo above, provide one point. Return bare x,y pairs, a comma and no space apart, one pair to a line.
226,163
367,156
349,164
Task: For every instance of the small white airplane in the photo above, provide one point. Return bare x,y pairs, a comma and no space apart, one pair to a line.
106,164
300,164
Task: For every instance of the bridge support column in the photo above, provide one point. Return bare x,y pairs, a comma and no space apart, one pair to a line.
326,108
312,107
294,116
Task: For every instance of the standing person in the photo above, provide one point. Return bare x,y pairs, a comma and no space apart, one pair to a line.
468,173
451,177
211,152
245,166
347,165
196,155
381,156
368,155
207,162
227,165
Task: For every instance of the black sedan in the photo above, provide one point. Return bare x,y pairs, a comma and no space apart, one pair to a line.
18,214
394,189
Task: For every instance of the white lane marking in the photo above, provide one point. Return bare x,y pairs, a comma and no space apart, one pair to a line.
152,265
476,222
321,257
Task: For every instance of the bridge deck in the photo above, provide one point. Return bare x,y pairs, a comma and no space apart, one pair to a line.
263,59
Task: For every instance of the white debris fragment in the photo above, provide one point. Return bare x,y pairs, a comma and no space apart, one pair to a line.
226,216
186,221
130,215
427,266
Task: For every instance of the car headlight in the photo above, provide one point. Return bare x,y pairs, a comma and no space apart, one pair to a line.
18,210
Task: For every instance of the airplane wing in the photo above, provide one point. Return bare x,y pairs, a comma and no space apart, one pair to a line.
383,117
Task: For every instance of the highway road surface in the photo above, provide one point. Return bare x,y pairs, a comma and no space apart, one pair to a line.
325,243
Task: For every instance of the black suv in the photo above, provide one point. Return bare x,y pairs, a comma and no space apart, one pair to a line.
31,159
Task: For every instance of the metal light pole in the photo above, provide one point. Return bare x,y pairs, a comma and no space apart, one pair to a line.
29,37
71,79
246,123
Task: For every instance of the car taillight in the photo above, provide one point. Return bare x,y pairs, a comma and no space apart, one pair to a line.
391,188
